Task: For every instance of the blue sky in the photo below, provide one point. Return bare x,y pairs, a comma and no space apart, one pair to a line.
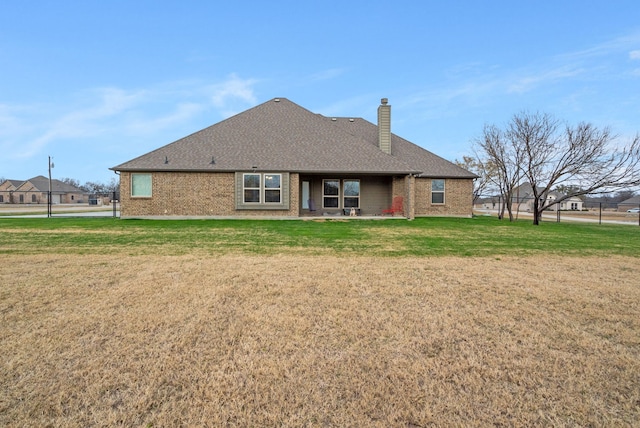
96,83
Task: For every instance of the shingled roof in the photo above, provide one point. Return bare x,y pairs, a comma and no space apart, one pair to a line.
280,135
41,184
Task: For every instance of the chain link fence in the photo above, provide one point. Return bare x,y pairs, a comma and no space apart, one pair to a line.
33,202
572,209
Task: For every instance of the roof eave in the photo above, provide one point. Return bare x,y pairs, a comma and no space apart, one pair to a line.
310,171
472,176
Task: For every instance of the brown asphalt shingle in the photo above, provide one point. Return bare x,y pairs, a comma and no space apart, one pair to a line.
41,184
280,135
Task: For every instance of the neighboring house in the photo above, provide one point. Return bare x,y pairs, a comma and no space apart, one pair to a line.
489,203
523,200
573,203
7,188
629,204
279,159
36,191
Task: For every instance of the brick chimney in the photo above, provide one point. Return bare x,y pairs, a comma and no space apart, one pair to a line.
384,126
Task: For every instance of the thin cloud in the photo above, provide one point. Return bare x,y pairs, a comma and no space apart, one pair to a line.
610,47
83,122
182,113
526,83
474,85
10,123
117,113
231,91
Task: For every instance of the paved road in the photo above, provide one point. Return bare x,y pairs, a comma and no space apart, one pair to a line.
66,215
61,210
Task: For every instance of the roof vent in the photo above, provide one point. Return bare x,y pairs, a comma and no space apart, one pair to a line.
351,120
333,119
276,100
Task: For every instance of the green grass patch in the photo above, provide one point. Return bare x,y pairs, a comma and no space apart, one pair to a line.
478,237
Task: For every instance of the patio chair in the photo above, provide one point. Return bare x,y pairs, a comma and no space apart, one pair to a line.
396,206
312,205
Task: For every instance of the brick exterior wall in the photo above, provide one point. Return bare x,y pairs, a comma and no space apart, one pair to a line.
10,194
195,194
399,188
37,197
6,191
458,194
202,194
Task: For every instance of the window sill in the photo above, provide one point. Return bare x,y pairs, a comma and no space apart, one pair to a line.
259,207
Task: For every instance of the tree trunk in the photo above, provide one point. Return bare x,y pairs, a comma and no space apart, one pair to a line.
509,205
536,212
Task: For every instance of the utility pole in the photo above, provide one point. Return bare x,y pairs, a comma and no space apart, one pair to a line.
49,201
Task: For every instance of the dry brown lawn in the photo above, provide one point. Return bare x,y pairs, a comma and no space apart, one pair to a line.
241,340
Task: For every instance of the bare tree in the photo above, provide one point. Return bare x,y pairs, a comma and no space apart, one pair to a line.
496,153
485,172
98,188
101,188
583,158
535,135
71,181
623,195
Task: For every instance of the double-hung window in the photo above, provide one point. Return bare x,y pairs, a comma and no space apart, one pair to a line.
331,193
351,192
272,188
262,190
251,188
437,191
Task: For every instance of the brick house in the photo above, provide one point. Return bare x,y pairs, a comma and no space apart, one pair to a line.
523,200
36,191
279,159
629,204
7,187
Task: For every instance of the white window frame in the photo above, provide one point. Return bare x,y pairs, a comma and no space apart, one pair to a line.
266,176
336,197
263,178
284,189
133,185
245,188
438,191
